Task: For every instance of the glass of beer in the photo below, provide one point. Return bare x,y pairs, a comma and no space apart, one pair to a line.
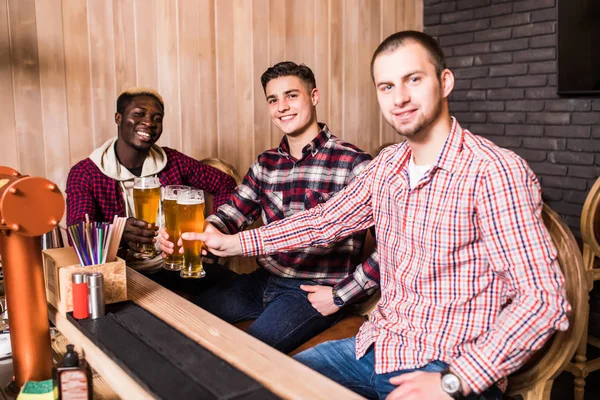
190,205
146,199
174,261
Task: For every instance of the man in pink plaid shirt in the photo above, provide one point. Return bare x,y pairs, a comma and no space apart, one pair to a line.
459,234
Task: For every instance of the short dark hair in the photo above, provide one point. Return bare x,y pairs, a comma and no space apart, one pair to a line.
289,68
127,96
398,39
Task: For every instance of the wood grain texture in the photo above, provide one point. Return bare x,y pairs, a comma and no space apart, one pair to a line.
189,67
169,73
125,44
53,89
146,49
79,80
242,73
208,83
8,133
63,62
260,62
26,85
102,69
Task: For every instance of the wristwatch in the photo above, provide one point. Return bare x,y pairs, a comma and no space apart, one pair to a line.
337,300
451,385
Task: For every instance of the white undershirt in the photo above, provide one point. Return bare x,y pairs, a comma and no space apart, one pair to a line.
416,172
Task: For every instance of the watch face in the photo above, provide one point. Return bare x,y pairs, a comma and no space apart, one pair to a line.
338,301
450,383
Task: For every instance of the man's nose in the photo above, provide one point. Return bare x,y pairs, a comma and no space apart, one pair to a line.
282,105
147,120
401,95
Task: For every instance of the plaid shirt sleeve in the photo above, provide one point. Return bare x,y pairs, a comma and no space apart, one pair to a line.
349,211
521,253
365,277
207,178
80,198
363,281
242,209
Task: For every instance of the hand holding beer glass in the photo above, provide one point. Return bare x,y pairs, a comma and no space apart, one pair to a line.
173,262
190,205
146,199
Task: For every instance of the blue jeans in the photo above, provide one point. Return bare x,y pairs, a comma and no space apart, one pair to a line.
284,318
337,361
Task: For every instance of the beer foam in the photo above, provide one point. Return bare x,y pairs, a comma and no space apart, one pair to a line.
146,187
190,202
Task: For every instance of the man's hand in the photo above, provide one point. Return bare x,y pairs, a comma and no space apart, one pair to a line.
217,243
321,298
418,385
166,246
138,232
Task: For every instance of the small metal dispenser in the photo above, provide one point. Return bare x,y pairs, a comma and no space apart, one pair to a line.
29,208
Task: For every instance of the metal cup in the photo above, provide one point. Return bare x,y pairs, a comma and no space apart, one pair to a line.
52,239
96,288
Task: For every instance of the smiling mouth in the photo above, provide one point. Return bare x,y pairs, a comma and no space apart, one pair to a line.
287,117
404,114
144,135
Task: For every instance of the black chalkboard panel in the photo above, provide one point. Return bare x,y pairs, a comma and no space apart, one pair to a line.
164,361
579,47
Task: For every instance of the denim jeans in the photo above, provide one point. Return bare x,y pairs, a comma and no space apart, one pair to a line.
337,360
284,318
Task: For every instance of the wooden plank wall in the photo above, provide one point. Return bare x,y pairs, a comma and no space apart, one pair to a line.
63,62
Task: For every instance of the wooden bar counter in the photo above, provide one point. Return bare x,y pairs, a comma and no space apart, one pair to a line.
278,372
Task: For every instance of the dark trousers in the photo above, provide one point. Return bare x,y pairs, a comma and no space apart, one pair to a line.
284,318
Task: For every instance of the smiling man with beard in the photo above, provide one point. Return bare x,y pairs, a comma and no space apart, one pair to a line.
102,184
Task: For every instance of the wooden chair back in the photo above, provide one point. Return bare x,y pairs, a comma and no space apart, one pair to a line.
222,166
534,379
590,231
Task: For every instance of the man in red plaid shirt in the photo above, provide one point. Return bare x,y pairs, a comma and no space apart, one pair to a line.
294,295
459,233
101,185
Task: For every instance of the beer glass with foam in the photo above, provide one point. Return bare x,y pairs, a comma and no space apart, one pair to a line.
146,200
174,261
190,205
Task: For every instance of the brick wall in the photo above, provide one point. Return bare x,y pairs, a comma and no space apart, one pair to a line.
503,55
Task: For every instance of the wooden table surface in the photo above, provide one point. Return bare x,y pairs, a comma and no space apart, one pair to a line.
276,371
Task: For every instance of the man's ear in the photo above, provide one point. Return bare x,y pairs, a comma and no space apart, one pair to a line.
447,81
314,96
118,118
